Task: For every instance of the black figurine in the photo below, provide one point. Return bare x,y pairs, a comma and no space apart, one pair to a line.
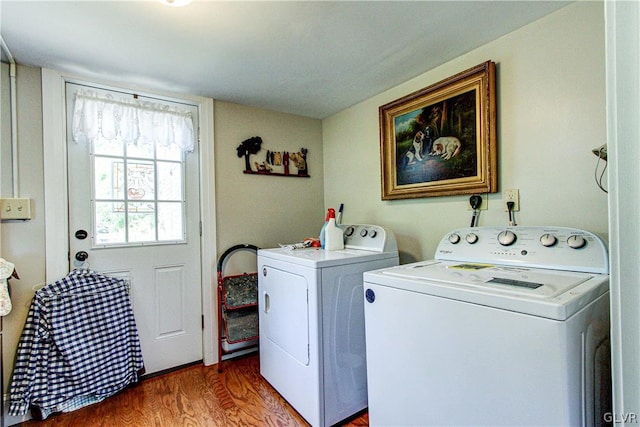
249,146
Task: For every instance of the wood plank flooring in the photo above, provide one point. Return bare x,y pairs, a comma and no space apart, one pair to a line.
197,396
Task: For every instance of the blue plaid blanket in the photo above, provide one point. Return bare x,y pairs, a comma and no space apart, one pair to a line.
79,344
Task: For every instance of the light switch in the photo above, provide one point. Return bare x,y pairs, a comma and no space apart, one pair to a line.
15,208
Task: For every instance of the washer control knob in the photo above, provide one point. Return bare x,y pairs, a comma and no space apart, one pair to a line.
349,231
548,240
507,238
576,242
471,238
373,234
364,232
454,238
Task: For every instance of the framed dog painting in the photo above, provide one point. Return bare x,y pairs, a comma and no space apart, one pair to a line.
441,140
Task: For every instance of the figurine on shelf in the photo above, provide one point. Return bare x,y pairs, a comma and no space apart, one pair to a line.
300,161
248,147
285,162
264,167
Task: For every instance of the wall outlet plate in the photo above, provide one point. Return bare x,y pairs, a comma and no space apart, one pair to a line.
483,206
512,195
15,208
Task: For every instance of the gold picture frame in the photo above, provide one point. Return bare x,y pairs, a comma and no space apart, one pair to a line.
441,140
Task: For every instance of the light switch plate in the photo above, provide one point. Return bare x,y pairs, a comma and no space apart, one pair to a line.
15,208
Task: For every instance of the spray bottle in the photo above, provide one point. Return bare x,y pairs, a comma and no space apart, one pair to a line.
322,230
333,235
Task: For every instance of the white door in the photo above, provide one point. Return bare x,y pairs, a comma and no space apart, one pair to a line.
134,211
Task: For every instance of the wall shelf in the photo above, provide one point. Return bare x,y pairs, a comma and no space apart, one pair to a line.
294,175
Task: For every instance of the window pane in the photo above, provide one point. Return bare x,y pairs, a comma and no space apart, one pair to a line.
170,221
140,150
109,223
169,181
140,180
138,193
109,178
172,152
108,147
142,222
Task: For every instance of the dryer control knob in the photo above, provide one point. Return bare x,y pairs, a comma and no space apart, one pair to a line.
548,240
471,238
349,231
454,238
373,234
507,238
364,232
576,242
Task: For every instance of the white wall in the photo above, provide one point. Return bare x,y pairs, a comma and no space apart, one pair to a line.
551,113
23,241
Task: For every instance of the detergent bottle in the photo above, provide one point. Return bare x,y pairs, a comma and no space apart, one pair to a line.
324,226
333,235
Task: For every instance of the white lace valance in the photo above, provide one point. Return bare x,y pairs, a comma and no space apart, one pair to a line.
131,120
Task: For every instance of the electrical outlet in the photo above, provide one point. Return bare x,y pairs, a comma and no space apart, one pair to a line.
15,209
484,205
511,196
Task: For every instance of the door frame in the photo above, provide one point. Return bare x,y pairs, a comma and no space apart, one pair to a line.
623,109
56,190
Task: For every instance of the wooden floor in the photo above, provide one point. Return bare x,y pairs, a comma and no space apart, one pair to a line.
193,397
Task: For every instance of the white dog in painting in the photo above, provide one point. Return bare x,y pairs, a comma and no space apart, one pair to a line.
446,147
418,141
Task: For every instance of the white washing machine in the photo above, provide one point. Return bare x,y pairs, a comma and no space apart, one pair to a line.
506,326
312,348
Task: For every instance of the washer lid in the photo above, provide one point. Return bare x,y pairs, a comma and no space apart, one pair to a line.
534,283
541,292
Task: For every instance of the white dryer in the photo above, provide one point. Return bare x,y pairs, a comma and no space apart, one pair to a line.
311,313
506,326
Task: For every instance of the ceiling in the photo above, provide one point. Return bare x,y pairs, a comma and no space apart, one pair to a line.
302,57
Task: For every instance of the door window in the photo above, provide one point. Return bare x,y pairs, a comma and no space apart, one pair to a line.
138,193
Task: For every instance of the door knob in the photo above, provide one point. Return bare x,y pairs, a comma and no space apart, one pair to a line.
82,256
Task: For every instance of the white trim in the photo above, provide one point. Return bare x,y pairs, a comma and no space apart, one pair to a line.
622,20
209,237
55,178
56,195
